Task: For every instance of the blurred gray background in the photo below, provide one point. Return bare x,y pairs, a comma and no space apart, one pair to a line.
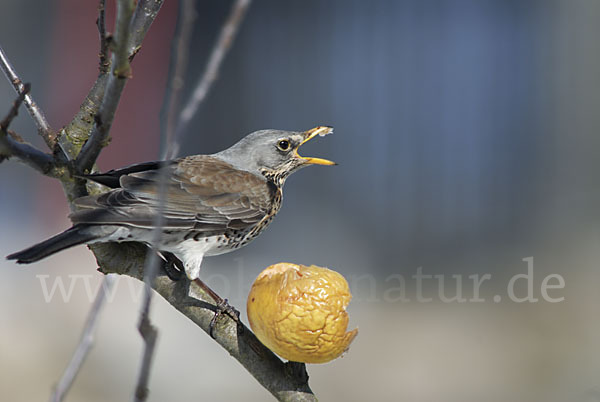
466,137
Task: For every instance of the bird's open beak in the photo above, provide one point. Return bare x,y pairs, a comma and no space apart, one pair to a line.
312,133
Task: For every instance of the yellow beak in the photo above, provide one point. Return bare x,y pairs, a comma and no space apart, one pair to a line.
310,134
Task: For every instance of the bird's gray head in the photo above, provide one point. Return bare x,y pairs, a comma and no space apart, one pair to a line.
273,153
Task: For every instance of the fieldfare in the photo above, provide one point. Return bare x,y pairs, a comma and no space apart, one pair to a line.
214,204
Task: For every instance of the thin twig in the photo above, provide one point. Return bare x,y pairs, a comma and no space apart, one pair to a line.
36,113
104,63
224,41
14,110
85,343
171,136
170,148
151,265
145,13
12,144
179,63
148,332
119,73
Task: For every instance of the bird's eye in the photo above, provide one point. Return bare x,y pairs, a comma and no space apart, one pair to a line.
283,145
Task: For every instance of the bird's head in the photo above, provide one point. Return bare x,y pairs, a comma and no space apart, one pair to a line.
274,153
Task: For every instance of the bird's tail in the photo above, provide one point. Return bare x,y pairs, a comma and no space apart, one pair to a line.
69,238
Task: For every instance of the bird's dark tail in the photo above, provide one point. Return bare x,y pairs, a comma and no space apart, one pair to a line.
69,238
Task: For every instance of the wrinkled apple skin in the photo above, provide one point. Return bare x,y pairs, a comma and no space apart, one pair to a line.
299,312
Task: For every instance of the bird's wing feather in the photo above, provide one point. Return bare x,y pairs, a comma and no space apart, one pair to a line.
203,193
112,177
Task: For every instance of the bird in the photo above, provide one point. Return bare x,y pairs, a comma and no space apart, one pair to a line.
213,204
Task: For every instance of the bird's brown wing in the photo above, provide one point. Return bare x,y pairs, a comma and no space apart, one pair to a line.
203,193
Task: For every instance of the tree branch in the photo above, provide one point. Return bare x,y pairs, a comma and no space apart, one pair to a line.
36,113
287,382
86,342
78,130
120,71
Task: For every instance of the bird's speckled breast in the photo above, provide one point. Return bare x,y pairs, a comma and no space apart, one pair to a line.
236,238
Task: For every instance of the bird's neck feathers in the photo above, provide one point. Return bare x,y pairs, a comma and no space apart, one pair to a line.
275,177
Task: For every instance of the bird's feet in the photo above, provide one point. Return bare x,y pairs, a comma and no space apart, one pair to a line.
174,269
222,307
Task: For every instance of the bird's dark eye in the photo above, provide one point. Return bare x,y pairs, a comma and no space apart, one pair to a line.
283,145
